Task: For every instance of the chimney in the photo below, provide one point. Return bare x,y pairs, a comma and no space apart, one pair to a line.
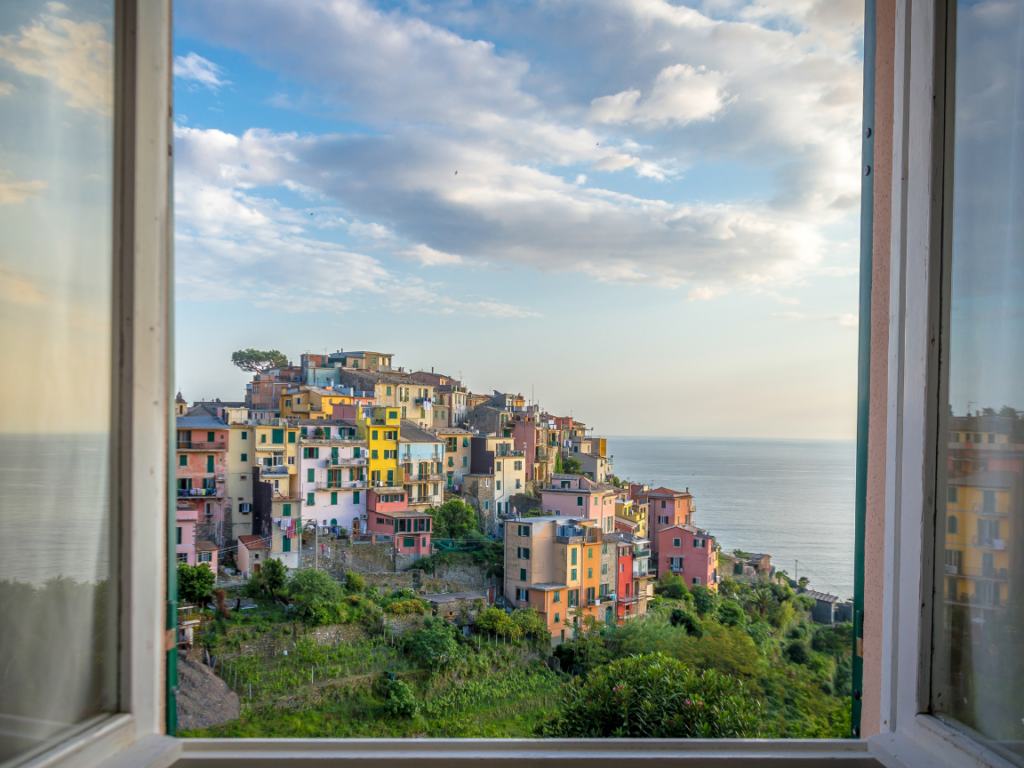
431,369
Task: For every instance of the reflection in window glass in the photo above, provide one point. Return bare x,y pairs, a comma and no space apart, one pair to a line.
979,666
57,613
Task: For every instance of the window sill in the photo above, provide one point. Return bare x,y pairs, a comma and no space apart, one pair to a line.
929,741
598,753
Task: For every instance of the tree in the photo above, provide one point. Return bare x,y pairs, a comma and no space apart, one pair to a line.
558,463
797,652
704,600
317,596
495,621
275,576
257,360
672,586
686,620
195,582
571,466
435,644
730,612
453,520
654,696
531,623
803,581
1008,411
762,601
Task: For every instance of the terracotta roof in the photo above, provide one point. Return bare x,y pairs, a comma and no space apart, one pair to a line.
253,542
663,491
206,546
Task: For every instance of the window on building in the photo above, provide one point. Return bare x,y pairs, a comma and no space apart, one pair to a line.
952,525
572,555
286,510
523,553
572,574
590,573
183,460
678,543
245,457
277,437
204,557
696,579
179,534
183,557
355,497
209,463
497,485
408,541
245,435
522,574
579,501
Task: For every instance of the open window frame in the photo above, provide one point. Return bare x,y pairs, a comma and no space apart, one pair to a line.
142,431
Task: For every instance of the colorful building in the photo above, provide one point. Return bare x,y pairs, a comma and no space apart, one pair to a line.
665,507
421,456
333,473
579,496
456,456
633,575
379,430
690,552
201,473
631,516
497,472
388,514
553,564
310,402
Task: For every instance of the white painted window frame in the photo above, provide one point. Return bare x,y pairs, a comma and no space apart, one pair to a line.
910,736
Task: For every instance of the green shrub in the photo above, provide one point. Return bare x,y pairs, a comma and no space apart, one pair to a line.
672,586
354,583
797,652
731,612
654,696
399,698
686,620
317,597
704,599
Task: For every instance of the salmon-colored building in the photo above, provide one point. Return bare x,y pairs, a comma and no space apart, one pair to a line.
665,507
579,496
253,551
201,473
690,552
387,512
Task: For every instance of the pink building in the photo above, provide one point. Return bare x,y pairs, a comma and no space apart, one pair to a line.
689,552
185,543
665,507
201,470
387,512
579,496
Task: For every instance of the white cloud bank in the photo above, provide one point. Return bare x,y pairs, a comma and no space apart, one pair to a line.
776,88
195,68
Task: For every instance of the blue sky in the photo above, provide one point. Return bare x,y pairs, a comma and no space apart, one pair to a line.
653,224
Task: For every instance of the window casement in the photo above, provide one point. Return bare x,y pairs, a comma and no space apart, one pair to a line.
911,734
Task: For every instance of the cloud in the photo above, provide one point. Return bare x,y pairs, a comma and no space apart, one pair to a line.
789,315
848,320
197,69
681,94
232,244
777,91
19,290
6,89
12,191
76,57
374,232
56,8
429,257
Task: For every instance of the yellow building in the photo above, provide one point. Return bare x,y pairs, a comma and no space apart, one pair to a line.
634,515
241,459
979,523
275,445
379,427
311,402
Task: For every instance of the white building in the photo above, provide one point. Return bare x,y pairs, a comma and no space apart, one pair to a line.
332,474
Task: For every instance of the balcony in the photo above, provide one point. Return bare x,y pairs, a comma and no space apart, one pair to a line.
200,493
425,478
341,461
192,445
984,542
341,485
642,554
332,441
279,470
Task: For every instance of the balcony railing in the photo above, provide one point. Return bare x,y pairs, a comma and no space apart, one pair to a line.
984,542
338,485
341,461
332,441
427,478
278,470
989,574
193,445
200,493
642,553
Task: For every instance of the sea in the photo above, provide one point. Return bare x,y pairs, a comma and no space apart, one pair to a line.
791,499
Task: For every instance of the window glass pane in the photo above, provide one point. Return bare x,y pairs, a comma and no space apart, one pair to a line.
57,599
978,678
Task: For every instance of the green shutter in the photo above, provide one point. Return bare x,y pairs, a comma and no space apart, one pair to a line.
291,437
355,497
334,453
310,500
286,544
245,457
277,436
522,574
210,436
183,460
334,498
179,534
209,463
310,475
391,477
287,510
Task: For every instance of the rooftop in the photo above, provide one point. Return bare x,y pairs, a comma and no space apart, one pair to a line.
821,597
451,597
206,546
1002,480
548,586
411,432
200,422
253,542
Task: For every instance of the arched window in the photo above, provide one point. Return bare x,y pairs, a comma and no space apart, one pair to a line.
951,524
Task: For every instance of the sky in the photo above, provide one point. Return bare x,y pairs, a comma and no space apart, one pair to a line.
640,213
